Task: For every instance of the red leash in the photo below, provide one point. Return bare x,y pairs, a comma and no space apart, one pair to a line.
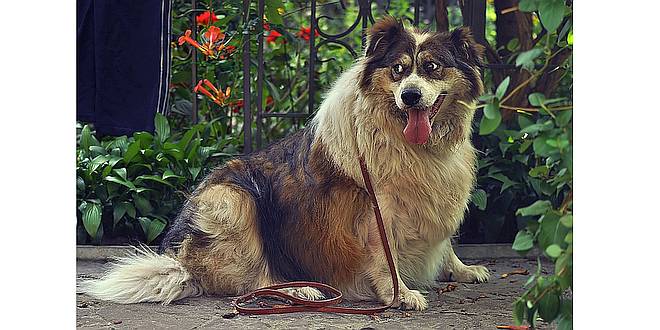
326,305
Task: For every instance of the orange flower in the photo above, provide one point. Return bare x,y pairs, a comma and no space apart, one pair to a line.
236,106
216,95
212,41
305,32
206,18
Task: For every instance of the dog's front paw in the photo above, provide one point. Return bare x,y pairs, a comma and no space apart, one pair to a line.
413,300
305,292
472,274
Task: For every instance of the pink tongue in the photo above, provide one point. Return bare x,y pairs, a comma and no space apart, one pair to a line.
418,128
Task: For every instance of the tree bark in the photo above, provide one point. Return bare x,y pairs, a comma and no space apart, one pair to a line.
441,17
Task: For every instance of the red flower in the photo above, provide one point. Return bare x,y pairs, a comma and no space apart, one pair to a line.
269,103
214,94
236,106
206,18
272,36
266,27
306,31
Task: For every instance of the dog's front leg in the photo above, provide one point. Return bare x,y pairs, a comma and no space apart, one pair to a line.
378,272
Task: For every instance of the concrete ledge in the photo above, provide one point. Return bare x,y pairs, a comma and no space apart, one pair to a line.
464,251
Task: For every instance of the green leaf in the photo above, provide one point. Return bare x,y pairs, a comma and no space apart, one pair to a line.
85,138
479,198
487,125
519,311
142,204
506,182
492,110
549,306
118,212
537,208
132,151
272,11
523,242
91,218
154,229
80,185
153,178
539,171
501,89
553,250
194,171
121,172
130,210
120,181
162,127
563,117
536,99
567,221
526,59
144,223
528,5
551,13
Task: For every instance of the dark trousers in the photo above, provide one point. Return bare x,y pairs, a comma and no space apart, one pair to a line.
123,63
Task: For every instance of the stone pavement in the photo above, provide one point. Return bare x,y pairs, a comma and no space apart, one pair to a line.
451,306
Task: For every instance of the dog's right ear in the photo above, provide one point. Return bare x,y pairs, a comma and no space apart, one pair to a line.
382,35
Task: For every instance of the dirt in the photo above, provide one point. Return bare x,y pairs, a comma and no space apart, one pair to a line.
451,306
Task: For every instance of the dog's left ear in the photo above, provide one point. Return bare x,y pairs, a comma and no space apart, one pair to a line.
382,35
466,47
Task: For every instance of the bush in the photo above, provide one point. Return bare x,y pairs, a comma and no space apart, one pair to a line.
132,187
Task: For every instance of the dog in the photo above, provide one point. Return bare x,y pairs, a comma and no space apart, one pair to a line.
298,210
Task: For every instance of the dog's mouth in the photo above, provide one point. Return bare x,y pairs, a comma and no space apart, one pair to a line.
418,122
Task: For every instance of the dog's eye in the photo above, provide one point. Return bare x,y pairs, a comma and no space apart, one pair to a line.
398,69
430,66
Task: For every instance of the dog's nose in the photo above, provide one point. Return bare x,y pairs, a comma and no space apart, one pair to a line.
411,96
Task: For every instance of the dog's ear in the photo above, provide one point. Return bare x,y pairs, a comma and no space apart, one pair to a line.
467,48
382,35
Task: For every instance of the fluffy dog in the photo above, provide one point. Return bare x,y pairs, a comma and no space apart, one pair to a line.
298,210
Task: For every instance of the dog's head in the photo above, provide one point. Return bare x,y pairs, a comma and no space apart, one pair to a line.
421,77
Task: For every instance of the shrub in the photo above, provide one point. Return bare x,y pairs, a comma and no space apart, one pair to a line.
132,186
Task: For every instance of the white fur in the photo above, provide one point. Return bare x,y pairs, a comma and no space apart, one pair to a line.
143,276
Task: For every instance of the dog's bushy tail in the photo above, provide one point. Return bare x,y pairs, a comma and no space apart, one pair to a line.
143,276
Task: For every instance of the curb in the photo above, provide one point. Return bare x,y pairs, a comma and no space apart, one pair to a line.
464,251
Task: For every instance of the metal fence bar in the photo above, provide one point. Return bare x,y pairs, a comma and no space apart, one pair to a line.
193,18
247,108
260,71
312,58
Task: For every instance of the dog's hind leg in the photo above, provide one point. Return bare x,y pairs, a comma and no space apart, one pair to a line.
224,254
455,269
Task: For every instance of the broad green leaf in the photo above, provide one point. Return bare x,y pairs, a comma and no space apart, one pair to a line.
85,138
162,127
506,182
274,10
501,89
132,151
121,172
567,221
155,228
96,163
130,209
526,59
479,198
536,99
551,231
537,208
549,306
118,212
523,242
487,126
551,13
80,185
153,178
143,205
194,171
519,311
539,171
563,117
120,181
553,250
528,5
144,223
492,110
91,218
541,147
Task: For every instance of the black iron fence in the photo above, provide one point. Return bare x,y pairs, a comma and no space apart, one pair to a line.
429,11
